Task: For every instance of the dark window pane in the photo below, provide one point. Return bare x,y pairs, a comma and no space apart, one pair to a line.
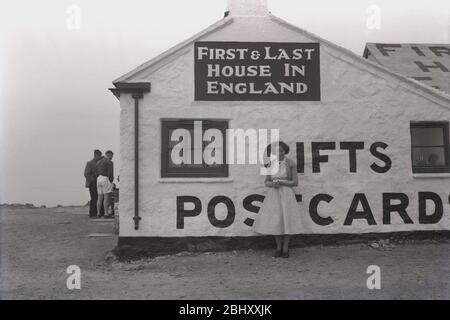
190,169
427,136
429,157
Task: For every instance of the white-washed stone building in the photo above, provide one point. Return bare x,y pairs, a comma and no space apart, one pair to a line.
371,145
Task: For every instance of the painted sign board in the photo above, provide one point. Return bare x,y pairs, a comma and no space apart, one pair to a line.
257,71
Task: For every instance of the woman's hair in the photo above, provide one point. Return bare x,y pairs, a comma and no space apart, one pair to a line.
280,144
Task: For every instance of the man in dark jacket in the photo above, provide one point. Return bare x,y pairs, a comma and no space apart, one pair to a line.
90,173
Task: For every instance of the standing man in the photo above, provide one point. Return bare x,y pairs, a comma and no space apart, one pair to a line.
90,173
105,170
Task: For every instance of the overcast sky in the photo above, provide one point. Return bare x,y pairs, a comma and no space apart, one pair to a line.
55,107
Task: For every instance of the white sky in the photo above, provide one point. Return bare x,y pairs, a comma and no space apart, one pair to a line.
54,104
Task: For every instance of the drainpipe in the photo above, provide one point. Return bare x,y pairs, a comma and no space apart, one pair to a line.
137,91
136,96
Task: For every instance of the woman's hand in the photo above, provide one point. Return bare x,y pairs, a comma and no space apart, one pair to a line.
269,184
276,183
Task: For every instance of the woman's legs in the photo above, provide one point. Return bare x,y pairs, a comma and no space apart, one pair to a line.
99,203
106,202
279,241
287,238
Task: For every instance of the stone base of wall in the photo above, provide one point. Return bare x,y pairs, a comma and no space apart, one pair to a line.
132,248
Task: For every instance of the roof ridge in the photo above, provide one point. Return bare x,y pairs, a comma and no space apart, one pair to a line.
228,20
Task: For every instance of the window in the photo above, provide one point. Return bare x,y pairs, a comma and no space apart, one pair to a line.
430,147
178,150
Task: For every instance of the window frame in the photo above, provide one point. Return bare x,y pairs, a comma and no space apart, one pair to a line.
187,123
444,125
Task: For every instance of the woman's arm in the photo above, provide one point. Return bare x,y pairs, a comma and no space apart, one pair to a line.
111,171
294,175
268,182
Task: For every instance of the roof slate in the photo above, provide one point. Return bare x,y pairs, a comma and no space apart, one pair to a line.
427,63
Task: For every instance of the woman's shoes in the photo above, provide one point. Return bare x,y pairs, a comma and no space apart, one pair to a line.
278,254
281,254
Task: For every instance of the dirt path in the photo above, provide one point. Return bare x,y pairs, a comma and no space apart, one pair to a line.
37,245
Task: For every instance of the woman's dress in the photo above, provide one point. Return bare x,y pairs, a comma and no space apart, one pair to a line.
280,212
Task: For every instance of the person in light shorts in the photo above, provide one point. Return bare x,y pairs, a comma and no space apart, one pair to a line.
104,186
105,170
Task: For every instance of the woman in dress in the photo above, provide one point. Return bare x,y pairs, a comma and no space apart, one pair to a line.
280,213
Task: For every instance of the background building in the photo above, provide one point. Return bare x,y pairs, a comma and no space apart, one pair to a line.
428,63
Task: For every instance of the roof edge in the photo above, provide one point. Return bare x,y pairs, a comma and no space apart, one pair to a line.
219,24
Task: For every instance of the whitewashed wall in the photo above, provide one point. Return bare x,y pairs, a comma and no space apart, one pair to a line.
359,103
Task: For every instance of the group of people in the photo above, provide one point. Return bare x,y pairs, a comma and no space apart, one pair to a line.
99,174
279,215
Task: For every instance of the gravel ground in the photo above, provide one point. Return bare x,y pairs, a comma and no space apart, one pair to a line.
37,245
